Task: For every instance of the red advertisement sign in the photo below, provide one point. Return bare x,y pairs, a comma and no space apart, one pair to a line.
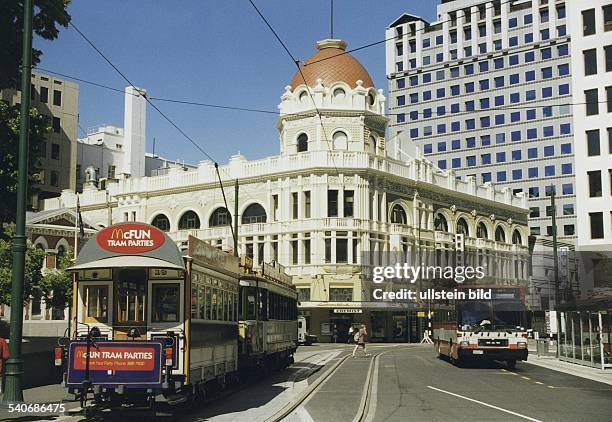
109,358
130,238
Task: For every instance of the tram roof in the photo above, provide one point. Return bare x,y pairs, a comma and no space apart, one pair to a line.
163,254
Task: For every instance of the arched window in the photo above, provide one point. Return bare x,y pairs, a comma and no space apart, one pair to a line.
481,231
220,217
303,96
302,143
371,99
398,215
440,223
500,235
517,239
40,246
339,94
189,220
254,213
462,227
161,222
61,251
373,142
340,140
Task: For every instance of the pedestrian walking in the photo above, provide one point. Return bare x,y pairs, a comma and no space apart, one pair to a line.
362,337
4,351
351,334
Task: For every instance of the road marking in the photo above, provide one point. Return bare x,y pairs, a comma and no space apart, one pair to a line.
551,386
504,370
485,404
525,378
539,383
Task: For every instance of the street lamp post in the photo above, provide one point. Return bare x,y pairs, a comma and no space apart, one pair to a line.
14,365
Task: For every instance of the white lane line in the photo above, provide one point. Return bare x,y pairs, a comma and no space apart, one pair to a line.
485,404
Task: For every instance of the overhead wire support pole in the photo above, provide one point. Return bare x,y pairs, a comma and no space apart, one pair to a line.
225,202
14,364
236,218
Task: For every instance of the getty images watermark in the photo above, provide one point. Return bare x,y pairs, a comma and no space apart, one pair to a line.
415,270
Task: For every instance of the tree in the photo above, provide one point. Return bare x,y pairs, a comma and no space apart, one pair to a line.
33,274
48,14
56,285
9,150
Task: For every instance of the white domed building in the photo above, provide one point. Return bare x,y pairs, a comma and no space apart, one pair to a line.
329,198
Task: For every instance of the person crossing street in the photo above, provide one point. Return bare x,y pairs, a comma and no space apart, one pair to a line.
361,337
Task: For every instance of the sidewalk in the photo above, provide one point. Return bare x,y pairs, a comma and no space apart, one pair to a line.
582,371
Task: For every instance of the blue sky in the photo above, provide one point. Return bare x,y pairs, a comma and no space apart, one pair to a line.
212,51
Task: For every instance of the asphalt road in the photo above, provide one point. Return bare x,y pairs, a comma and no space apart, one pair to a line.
412,384
409,383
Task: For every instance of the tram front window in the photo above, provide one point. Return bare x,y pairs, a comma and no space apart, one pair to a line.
131,296
96,303
165,303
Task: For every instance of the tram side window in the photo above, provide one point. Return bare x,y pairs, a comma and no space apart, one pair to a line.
250,303
263,304
165,303
194,302
209,308
96,303
201,302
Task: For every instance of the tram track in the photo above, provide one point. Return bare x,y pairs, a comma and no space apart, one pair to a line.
367,406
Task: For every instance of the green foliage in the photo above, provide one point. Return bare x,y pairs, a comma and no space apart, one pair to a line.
48,14
56,285
9,151
33,275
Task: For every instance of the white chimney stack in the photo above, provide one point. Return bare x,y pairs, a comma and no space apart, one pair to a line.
134,131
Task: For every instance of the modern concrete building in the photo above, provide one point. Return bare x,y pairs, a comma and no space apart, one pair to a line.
330,198
108,152
591,52
485,91
59,100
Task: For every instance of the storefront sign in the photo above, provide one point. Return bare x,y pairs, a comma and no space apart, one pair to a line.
130,238
116,362
347,311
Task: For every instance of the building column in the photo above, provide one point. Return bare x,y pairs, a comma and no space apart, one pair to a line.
460,34
505,9
474,16
489,24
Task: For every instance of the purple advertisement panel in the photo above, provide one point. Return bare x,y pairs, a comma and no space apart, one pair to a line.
136,364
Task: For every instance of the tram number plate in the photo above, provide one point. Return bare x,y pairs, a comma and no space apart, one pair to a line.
478,352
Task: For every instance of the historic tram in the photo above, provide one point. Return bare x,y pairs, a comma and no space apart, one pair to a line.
151,323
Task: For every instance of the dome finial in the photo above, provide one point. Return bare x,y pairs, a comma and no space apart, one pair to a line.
332,43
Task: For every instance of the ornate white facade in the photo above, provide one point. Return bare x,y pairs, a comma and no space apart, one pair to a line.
331,195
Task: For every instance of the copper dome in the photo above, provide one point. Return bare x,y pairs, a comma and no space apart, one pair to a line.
332,64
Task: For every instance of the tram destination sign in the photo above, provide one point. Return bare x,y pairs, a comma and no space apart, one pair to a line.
130,238
111,363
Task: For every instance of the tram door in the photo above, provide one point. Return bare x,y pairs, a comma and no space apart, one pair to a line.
130,296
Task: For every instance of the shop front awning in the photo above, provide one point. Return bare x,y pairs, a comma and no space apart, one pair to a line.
126,261
348,306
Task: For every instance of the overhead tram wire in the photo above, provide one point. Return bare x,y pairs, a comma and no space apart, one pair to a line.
264,111
297,64
363,47
156,108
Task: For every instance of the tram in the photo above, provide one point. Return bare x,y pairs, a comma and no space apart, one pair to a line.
151,323
483,329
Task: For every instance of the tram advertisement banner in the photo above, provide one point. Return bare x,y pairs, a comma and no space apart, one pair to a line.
112,363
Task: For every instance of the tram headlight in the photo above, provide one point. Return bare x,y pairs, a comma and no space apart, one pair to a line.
522,345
